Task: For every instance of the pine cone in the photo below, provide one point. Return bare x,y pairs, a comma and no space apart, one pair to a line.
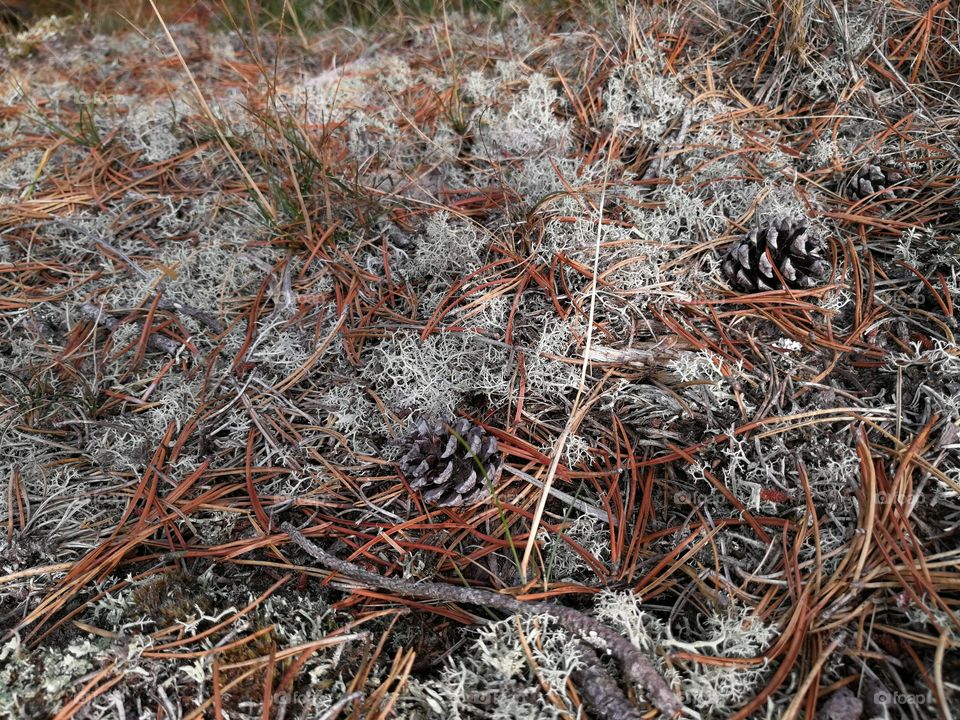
768,257
451,464
872,179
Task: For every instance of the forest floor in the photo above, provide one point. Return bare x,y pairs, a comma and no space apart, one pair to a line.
238,266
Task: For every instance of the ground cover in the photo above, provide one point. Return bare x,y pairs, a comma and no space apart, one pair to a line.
690,265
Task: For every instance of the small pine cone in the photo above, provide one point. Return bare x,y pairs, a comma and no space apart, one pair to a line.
872,179
778,253
451,464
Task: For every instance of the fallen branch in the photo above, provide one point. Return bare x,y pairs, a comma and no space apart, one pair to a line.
200,316
567,498
600,691
636,667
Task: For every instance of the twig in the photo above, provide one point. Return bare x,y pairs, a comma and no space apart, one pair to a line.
601,692
200,316
157,342
667,155
169,709
636,667
646,355
577,412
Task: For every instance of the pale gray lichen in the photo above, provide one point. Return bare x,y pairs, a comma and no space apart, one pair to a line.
432,376
529,126
716,690
640,96
494,678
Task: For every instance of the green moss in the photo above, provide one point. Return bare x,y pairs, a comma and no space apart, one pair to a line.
170,597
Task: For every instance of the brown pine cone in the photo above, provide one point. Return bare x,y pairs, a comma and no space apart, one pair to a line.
451,464
871,179
778,254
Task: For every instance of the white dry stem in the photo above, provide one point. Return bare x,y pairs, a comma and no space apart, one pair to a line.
577,413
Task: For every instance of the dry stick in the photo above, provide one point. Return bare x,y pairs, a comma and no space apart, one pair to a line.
580,505
601,692
200,316
155,341
574,421
636,667
339,705
165,303
667,156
